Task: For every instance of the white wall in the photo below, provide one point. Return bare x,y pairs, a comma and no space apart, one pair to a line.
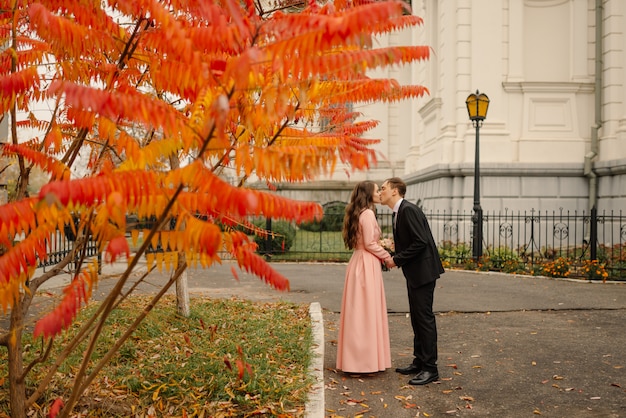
535,59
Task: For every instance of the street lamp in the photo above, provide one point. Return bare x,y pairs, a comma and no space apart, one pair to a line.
477,105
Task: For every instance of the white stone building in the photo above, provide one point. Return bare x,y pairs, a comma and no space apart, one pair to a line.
555,132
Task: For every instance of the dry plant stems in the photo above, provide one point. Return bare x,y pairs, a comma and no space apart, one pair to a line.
18,313
109,304
103,313
81,386
70,346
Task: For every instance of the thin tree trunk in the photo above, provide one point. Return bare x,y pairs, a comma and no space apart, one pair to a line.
182,289
17,383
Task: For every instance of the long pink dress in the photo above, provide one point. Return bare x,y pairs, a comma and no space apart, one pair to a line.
363,345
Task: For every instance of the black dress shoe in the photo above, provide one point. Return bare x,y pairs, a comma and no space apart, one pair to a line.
424,377
410,369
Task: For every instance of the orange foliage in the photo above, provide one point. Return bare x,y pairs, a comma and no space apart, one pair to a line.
220,85
76,293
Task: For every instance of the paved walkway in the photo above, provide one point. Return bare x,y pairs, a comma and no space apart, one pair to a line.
509,346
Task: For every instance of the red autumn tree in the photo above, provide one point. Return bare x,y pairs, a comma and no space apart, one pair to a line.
155,99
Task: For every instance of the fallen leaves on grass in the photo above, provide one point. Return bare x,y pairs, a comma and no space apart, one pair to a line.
175,366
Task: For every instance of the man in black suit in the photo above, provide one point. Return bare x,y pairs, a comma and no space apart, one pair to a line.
416,253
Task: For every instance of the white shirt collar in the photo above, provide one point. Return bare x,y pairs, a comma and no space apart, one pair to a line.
397,205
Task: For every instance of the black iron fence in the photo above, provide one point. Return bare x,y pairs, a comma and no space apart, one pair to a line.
592,244
558,243
60,245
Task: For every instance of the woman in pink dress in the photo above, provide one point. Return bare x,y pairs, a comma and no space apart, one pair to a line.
363,345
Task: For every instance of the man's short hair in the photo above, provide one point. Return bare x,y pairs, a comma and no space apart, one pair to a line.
397,183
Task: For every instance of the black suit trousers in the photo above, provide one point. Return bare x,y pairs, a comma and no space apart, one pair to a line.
424,326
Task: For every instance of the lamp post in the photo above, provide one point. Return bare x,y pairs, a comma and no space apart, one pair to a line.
477,105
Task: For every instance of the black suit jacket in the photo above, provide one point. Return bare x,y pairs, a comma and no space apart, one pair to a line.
416,251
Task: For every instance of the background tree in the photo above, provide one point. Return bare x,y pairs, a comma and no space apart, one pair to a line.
134,85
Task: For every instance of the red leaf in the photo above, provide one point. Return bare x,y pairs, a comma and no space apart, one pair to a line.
55,408
61,317
18,82
117,246
255,264
60,190
240,368
54,166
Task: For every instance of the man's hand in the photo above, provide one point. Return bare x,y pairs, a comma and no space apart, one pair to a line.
390,263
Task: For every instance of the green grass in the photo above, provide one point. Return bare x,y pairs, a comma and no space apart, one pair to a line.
318,246
173,366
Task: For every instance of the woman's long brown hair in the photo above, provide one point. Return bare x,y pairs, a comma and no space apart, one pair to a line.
362,198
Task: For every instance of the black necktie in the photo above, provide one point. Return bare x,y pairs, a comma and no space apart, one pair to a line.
393,220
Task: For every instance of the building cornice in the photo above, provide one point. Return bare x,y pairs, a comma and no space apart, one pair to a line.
497,169
610,167
548,87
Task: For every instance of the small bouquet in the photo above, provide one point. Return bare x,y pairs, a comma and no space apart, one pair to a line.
388,245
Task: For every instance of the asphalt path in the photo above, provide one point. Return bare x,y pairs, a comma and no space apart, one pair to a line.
457,290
